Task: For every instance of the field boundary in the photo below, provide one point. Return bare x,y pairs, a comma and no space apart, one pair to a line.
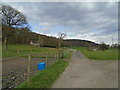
14,76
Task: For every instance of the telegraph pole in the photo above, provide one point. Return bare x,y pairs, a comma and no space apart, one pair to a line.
112,42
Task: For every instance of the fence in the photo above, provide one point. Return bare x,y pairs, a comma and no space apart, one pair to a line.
18,69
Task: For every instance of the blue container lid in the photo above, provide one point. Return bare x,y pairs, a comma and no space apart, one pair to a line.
41,63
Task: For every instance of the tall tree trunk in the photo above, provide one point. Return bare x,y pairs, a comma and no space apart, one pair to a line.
59,48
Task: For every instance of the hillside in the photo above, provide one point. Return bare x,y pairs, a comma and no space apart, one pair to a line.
25,36
78,42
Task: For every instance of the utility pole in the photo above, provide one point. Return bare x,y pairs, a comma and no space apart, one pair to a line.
5,44
112,42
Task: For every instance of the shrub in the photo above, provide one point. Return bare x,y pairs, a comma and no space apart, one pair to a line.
103,46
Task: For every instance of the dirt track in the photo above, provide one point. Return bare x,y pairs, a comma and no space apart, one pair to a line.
85,73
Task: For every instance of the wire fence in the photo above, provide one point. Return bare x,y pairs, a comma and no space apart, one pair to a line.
15,69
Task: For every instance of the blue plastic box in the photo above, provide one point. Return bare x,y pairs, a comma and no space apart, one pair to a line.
41,66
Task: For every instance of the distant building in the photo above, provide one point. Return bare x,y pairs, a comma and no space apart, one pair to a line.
94,49
34,43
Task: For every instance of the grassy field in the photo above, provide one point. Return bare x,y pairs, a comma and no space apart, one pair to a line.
27,49
45,78
110,54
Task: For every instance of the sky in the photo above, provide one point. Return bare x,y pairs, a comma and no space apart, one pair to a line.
94,21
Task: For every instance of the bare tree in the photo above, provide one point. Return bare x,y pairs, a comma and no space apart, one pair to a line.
11,17
61,36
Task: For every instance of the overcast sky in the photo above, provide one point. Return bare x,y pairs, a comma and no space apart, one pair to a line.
79,20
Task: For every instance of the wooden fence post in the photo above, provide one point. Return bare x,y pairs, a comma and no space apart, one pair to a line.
51,57
57,55
28,78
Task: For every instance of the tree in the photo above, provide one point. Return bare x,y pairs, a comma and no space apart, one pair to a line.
12,17
103,46
61,36
115,45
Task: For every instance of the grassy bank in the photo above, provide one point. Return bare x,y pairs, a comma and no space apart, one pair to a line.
110,54
45,78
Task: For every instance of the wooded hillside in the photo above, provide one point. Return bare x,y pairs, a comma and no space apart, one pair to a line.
25,36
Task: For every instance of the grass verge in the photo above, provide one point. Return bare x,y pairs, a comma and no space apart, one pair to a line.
110,54
45,78
68,55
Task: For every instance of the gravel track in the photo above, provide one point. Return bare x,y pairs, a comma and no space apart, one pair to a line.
85,73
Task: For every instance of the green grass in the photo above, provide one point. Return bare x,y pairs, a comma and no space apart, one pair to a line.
68,55
110,54
45,78
27,49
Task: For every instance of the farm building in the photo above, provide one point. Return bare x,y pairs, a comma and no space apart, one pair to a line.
34,43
